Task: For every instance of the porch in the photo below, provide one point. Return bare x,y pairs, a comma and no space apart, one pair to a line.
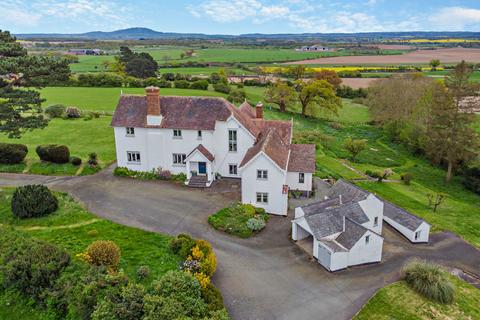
199,165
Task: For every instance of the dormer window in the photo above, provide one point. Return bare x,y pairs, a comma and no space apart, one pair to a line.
130,132
177,134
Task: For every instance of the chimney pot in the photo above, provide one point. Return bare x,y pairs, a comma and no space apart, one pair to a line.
259,110
153,101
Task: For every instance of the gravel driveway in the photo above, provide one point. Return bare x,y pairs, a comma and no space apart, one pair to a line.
267,277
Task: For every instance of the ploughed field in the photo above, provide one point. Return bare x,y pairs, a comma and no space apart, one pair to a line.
448,55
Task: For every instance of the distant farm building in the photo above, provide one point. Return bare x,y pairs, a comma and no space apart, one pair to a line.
314,48
88,52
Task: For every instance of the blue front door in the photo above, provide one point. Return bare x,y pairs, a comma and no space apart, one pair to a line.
202,168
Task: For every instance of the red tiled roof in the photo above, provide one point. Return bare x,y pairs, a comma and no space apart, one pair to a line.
272,145
248,110
203,151
283,128
302,158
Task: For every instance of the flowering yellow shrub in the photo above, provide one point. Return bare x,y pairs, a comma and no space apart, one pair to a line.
85,257
202,279
197,254
104,253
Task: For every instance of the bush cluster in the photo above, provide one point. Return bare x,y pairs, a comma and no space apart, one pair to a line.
53,153
33,201
73,113
430,281
12,153
158,174
55,111
471,179
350,93
76,161
243,220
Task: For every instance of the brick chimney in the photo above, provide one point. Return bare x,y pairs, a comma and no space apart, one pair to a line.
259,110
153,101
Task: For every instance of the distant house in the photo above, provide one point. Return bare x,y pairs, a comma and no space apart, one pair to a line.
207,138
345,229
314,48
81,52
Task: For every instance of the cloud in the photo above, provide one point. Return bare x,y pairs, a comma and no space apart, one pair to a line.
455,18
14,13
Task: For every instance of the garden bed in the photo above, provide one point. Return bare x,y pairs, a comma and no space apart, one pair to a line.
242,220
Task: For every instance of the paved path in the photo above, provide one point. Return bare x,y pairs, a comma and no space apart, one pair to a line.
267,277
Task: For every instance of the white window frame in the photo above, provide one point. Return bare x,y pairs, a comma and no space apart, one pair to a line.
130,131
232,140
262,174
133,157
367,240
178,159
177,134
199,135
262,197
375,221
233,166
301,177
418,234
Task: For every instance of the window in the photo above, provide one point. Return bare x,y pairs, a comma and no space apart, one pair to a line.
233,169
133,156
301,177
375,221
262,197
262,174
232,140
417,234
130,132
177,134
179,158
367,239
199,135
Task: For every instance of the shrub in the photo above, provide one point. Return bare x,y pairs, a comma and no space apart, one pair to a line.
93,233
53,153
181,84
125,305
406,178
255,224
121,172
104,253
33,201
248,210
182,245
92,159
199,85
472,179
30,266
12,153
164,175
55,111
76,161
73,113
143,272
221,87
163,308
430,281
212,297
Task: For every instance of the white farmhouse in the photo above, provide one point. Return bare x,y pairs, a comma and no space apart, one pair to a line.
345,229
207,138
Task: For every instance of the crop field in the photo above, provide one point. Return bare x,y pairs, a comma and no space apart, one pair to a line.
449,55
204,71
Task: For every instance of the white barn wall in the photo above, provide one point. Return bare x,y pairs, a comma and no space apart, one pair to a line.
409,234
293,184
362,253
373,207
339,261
277,201
126,143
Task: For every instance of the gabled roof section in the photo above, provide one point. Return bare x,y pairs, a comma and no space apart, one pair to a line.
352,234
302,158
348,191
194,113
247,109
244,120
270,143
284,128
401,216
200,148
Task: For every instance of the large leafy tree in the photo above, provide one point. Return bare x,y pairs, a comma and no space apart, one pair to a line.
140,65
20,109
281,94
317,96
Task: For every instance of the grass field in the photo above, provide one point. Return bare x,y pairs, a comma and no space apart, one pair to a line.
398,301
203,71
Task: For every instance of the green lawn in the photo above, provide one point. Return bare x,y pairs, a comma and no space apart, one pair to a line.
90,64
398,301
203,71
74,228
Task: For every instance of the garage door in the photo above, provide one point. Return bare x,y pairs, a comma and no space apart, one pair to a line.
324,257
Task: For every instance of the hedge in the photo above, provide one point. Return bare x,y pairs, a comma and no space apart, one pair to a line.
53,153
12,153
33,201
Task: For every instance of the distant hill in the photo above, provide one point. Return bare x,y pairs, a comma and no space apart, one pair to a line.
145,33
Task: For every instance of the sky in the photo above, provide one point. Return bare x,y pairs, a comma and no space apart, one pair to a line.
239,16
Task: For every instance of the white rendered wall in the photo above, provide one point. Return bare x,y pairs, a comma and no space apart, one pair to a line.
362,253
300,229
339,261
293,184
409,234
277,201
124,143
373,207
